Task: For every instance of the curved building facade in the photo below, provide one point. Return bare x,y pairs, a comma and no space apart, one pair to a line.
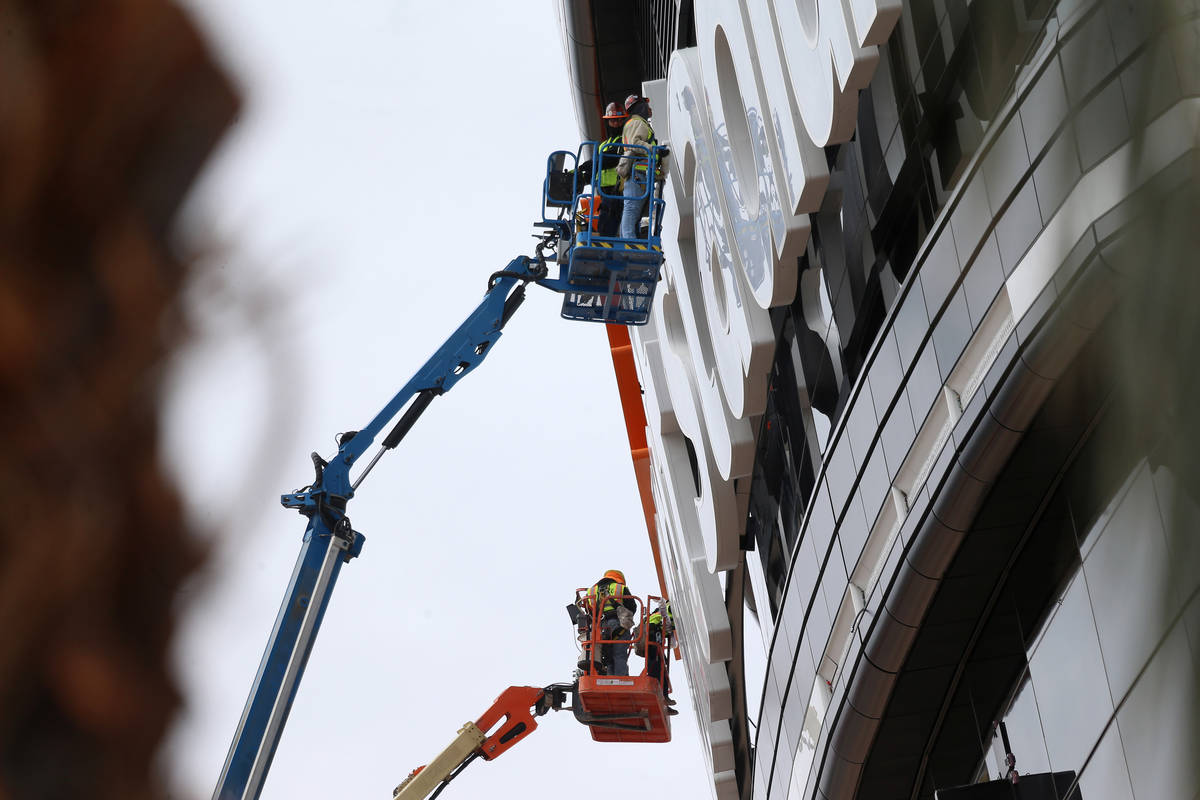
916,385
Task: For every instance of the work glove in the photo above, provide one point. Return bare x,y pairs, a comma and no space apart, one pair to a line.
625,618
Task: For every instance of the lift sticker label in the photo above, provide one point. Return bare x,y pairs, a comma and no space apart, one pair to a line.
612,682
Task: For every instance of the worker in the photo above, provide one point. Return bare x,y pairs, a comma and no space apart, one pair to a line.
610,181
660,630
632,167
616,608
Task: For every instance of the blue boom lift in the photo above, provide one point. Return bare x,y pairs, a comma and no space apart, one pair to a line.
609,280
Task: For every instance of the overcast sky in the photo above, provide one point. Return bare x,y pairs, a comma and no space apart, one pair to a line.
388,158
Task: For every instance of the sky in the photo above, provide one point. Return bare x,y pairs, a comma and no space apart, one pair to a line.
387,158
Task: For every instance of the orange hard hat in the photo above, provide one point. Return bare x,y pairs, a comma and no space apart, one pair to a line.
616,575
614,111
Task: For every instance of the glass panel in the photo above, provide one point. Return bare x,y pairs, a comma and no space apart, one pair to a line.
1131,552
814,718
1107,776
1072,689
1157,725
1025,731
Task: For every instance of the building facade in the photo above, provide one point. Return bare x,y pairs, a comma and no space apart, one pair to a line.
916,386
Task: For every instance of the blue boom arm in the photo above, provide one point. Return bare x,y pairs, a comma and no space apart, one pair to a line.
330,541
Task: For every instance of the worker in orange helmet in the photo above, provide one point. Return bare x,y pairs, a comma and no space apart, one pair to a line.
617,607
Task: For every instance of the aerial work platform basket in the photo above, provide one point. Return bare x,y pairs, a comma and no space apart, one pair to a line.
625,709
622,708
603,278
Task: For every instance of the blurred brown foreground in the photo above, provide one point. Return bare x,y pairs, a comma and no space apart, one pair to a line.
108,109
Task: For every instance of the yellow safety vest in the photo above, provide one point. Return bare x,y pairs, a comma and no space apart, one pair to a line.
609,177
612,589
650,145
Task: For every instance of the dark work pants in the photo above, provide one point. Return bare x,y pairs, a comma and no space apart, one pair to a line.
610,214
657,665
614,656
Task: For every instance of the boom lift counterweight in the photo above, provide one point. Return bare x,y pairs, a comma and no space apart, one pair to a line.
602,289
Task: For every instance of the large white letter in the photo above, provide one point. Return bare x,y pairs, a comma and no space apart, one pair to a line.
740,338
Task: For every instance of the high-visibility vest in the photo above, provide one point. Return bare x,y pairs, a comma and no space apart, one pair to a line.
656,617
610,590
649,146
612,145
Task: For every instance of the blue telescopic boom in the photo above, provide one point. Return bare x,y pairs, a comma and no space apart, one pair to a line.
330,541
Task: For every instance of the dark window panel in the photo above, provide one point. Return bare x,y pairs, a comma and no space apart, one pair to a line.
1011,502
984,278
791,507
1018,227
1049,557
994,42
963,599
977,554
958,748
939,644
929,49
813,359
919,692
882,122
775,571
951,334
